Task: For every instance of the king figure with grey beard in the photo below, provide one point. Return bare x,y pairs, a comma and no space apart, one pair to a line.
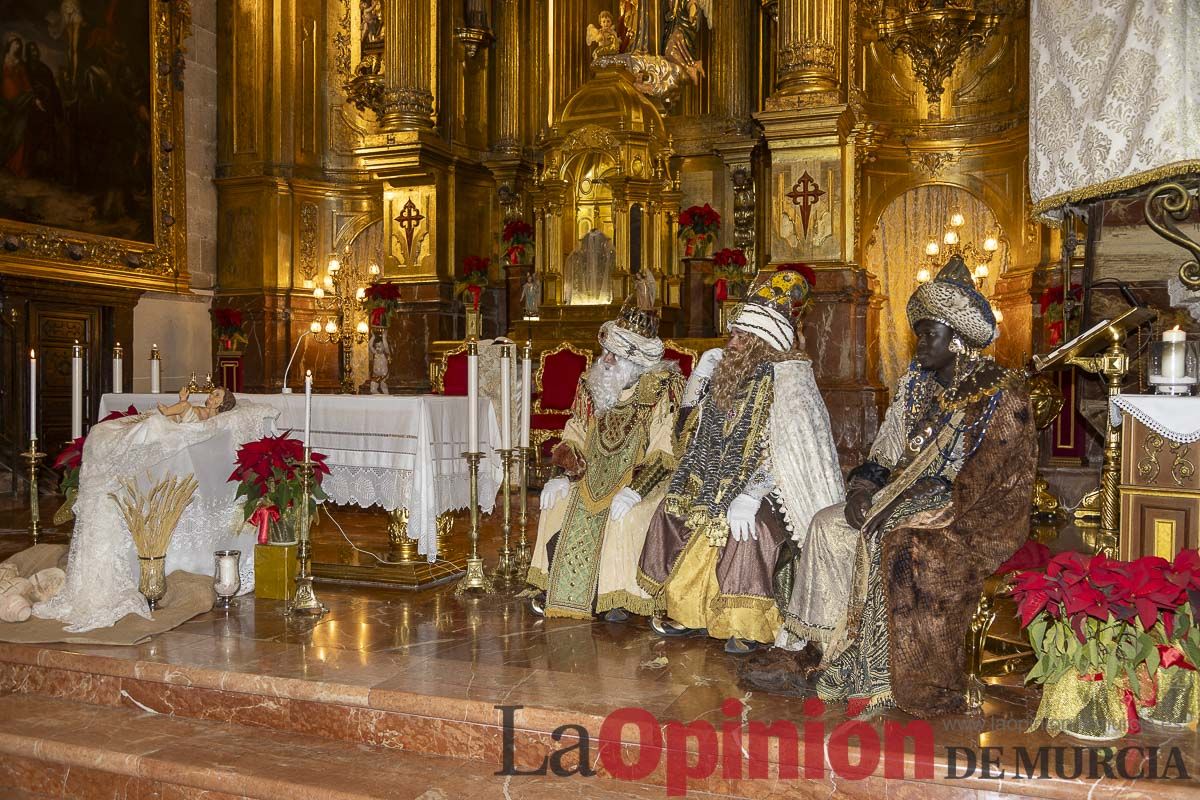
613,462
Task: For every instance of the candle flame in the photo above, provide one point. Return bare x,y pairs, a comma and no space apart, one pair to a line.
32,354
1175,328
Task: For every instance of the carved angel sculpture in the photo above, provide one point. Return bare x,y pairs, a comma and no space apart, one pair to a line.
605,37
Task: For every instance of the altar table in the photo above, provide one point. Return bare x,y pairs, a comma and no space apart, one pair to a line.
391,451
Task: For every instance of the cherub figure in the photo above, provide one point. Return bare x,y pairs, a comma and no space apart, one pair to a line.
218,400
605,37
381,352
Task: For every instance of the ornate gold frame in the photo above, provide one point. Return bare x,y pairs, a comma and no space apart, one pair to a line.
537,378
437,369
45,252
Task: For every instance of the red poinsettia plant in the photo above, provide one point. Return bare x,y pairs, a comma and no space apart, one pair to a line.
267,472
698,226
729,272
1111,620
1051,305
71,458
517,237
474,278
227,325
382,299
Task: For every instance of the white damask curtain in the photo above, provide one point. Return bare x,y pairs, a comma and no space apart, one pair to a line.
1114,97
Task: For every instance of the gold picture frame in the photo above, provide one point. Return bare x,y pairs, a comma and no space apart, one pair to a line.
42,251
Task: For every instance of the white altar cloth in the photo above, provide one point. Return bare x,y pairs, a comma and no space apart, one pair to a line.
391,451
1176,419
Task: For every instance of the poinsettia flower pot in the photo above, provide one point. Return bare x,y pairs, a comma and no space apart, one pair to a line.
1176,698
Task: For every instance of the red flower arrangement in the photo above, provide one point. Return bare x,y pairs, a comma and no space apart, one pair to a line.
227,324
268,475
517,236
71,458
1111,620
698,226
382,299
474,278
1051,305
729,270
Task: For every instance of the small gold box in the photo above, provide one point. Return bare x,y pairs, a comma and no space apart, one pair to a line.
275,571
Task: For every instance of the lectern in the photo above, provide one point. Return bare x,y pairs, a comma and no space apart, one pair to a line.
1101,350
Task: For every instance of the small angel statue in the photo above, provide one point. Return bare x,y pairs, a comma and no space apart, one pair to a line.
605,37
218,400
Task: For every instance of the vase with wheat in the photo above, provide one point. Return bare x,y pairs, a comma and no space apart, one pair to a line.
152,518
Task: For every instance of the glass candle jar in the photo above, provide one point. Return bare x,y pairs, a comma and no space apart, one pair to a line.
1174,363
227,578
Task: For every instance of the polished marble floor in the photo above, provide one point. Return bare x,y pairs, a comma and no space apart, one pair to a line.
491,649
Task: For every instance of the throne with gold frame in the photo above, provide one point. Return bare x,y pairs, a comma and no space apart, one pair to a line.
685,357
554,383
448,374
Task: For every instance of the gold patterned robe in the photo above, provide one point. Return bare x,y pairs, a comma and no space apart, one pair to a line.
585,562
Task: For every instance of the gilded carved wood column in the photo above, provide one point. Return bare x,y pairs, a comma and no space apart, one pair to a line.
810,46
410,63
731,68
508,77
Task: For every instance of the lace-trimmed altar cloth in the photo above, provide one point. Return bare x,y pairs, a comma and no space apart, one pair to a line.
1176,419
391,451
102,567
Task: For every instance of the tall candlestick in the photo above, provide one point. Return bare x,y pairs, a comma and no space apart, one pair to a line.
526,391
76,390
307,406
118,369
472,397
155,370
506,396
32,394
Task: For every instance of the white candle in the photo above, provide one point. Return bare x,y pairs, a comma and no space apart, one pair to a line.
228,574
472,398
155,370
32,394
76,390
506,396
307,405
526,393
118,369
1173,354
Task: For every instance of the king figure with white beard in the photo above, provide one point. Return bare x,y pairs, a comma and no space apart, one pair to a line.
615,457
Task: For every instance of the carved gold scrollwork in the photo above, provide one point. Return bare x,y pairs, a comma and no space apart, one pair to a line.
1177,202
1181,467
1148,465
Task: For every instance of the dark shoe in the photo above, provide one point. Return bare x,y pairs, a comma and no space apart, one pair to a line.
537,604
671,629
740,647
616,615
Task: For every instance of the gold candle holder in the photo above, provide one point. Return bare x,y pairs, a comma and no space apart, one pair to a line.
524,552
475,577
34,459
506,568
305,601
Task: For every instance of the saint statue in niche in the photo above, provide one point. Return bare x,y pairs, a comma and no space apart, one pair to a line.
588,271
371,15
531,296
646,289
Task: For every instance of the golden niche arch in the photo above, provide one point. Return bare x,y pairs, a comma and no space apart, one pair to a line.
606,168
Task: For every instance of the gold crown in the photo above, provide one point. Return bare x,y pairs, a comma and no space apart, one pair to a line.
643,322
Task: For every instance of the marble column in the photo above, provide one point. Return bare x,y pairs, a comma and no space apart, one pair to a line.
810,46
508,77
410,63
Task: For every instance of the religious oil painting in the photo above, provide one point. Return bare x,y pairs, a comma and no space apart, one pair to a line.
76,116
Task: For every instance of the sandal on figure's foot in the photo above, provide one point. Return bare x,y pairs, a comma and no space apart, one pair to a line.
670,628
616,615
740,647
537,604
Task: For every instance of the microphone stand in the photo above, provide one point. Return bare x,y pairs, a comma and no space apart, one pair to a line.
287,389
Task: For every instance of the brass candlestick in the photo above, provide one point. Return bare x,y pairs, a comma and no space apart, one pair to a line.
524,552
34,459
305,601
506,568
475,577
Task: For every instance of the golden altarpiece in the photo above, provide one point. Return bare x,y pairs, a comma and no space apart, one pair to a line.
412,131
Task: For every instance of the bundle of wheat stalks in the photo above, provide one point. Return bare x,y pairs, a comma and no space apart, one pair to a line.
152,519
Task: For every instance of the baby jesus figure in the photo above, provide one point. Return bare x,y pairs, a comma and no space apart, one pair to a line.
218,400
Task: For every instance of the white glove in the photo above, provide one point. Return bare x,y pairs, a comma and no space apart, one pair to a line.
701,374
708,362
554,490
626,499
741,515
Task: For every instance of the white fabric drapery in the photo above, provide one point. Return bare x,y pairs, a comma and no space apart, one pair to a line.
1114,97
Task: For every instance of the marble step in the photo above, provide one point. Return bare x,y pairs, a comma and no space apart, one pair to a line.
59,749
